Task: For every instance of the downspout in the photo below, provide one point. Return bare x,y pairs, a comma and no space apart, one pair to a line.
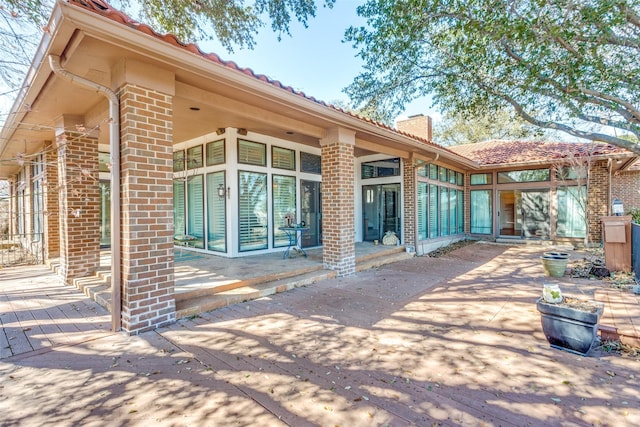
114,145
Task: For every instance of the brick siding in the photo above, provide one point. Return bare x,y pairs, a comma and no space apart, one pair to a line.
147,209
626,187
79,205
409,202
338,199
51,204
598,199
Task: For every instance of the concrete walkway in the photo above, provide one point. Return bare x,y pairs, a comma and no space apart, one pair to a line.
454,340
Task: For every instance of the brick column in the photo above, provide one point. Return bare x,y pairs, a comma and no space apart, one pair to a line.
409,197
78,200
51,203
338,224
147,209
598,199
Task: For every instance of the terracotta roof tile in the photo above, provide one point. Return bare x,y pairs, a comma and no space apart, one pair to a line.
509,152
103,8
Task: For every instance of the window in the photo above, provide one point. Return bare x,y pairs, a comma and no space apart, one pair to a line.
423,189
216,213
252,211
460,211
179,209
194,157
423,171
284,202
252,153
433,171
571,211
453,211
443,174
381,168
433,211
460,179
453,177
566,173
480,178
195,210
104,161
533,175
283,158
444,211
310,163
481,212
178,161
37,171
215,153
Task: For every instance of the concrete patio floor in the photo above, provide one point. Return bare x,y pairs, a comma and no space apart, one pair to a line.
454,340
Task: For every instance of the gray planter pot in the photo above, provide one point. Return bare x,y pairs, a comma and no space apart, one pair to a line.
554,266
567,328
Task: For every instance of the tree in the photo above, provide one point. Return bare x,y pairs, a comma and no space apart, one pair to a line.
232,22
567,65
456,129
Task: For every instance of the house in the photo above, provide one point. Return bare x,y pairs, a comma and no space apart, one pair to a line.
125,137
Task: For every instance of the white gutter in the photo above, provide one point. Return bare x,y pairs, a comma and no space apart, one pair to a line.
114,144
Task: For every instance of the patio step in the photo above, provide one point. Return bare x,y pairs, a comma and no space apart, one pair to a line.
193,306
377,260
96,287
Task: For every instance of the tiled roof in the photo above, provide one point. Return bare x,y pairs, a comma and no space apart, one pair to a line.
105,9
513,152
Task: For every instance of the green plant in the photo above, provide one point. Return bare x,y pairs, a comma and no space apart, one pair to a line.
635,215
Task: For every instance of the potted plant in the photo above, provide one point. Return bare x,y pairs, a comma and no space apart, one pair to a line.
554,263
571,324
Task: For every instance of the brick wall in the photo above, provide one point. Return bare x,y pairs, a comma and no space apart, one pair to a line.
626,187
79,204
598,199
147,209
51,203
409,202
338,199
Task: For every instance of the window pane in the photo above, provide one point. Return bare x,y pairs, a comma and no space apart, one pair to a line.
571,212
453,206
216,213
283,158
179,221
480,178
533,175
460,211
178,161
452,177
381,168
310,163
422,210
433,211
443,174
444,211
215,153
252,153
194,157
460,179
195,210
284,203
481,212
433,171
423,170
252,211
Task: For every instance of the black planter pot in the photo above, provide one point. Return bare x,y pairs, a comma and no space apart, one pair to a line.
567,328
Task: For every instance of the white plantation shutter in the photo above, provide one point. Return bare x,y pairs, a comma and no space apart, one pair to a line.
252,211
195,205
252,153
215,152
283,158
216,213
284,202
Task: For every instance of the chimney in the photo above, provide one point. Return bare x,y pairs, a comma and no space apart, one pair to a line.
418,125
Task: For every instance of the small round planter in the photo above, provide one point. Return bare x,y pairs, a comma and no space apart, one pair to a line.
568,328
554,266
555,254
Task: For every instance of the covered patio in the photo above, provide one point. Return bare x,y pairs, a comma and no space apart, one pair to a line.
205,282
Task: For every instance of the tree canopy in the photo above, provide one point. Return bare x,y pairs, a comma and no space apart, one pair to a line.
235,23
457,128
567,65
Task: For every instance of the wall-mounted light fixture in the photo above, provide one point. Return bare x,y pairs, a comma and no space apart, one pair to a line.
242,131
222,192
220,131
617,207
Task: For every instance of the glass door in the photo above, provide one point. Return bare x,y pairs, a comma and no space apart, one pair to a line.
509,221
535,214
311,213
380,210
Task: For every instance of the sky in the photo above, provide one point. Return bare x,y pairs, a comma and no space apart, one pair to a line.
313,60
